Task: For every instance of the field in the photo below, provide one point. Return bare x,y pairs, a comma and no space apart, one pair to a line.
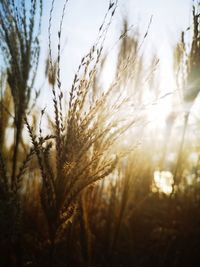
106,175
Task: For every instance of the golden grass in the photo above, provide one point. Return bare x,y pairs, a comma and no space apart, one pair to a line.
82,195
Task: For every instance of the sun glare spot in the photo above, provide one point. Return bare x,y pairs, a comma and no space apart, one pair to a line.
163,181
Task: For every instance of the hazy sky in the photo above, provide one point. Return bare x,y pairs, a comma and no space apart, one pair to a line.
83,18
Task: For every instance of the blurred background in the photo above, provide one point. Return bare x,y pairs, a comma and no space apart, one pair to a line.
100,133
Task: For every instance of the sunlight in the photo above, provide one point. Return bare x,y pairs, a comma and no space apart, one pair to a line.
99,133
158,112
161,106
163,182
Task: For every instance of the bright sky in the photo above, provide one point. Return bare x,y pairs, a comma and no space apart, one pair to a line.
83,18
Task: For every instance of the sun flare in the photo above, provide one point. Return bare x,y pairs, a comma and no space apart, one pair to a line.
163,182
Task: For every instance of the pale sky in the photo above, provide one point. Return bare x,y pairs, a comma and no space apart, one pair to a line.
83,18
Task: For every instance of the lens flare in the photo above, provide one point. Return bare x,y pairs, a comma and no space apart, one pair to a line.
163,182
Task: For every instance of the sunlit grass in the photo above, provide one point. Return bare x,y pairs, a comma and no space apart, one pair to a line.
112,177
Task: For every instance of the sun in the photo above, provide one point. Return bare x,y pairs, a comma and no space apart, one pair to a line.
163,182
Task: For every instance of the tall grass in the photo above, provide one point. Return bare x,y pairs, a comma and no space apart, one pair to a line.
187,65
80,196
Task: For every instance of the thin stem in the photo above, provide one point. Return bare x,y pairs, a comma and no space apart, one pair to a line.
179,158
